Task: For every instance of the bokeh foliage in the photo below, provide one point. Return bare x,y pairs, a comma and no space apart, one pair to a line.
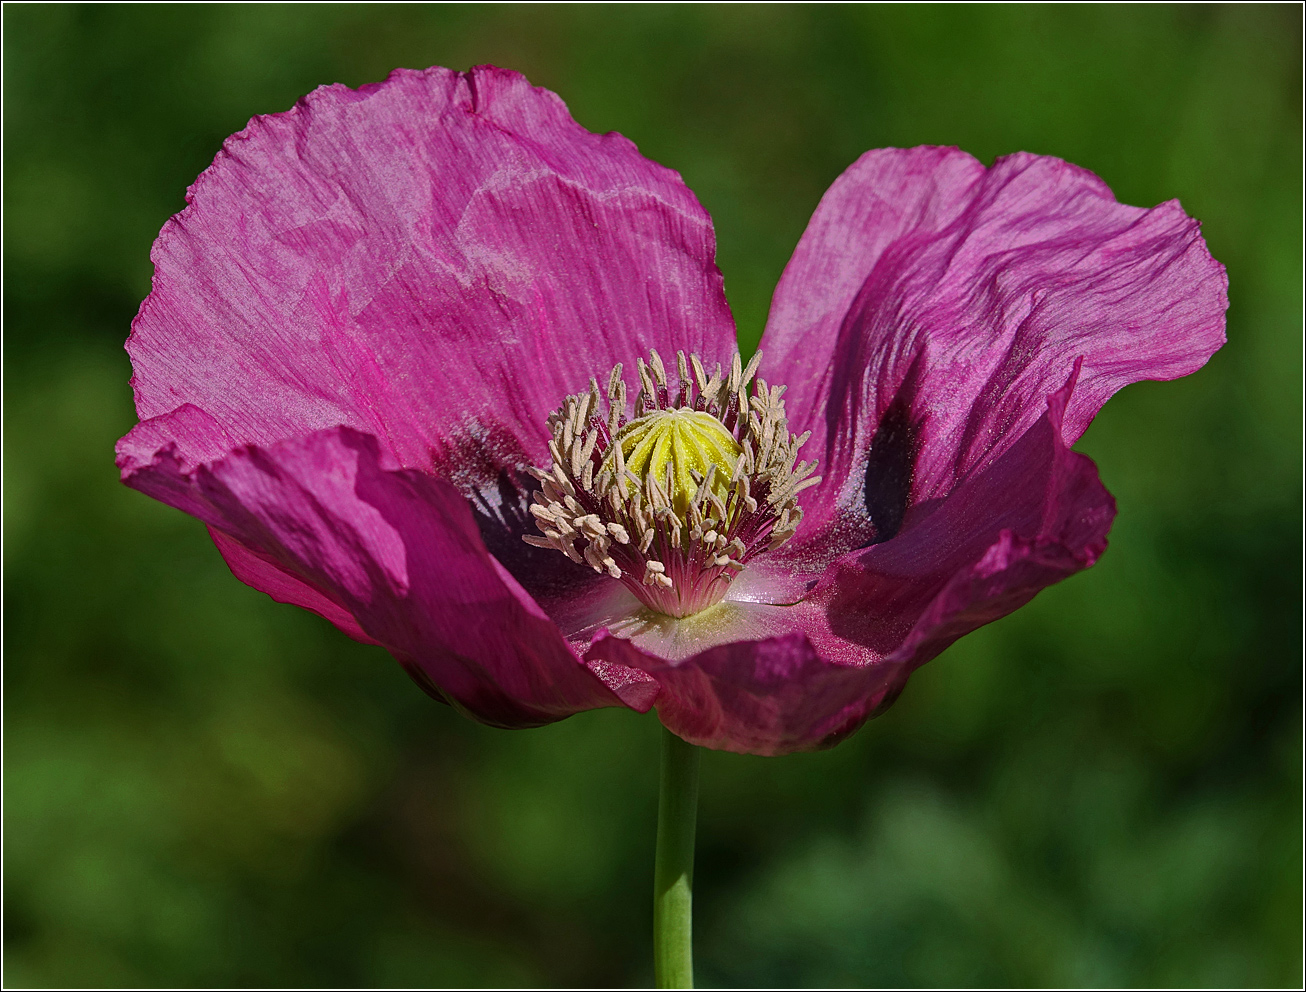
203,787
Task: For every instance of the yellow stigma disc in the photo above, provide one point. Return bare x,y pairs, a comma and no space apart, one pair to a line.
688,441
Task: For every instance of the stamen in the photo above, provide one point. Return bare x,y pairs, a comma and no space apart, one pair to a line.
674,500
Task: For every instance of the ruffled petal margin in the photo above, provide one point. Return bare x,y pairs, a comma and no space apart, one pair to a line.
331,523
932,305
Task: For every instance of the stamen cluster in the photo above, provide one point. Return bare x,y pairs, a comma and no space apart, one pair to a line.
676,546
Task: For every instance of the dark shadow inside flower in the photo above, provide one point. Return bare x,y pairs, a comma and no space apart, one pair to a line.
890,466
868,506
560,586
501,510
487,466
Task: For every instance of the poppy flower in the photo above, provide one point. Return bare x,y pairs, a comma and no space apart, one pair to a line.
431,360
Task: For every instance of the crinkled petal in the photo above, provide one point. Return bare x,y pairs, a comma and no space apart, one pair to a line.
773,696
932,305
436,260
1034,516
331,522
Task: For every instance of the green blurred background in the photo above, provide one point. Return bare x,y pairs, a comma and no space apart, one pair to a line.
203,787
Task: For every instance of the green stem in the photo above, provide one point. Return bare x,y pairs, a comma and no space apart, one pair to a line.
673,870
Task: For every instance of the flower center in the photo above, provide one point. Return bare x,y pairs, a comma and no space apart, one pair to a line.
675,500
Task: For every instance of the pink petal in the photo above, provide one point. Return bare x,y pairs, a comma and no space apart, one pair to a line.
773,696
331,523
436,260
937,303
